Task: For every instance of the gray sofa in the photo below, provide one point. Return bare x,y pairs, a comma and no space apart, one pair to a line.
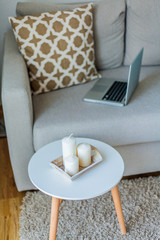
134,130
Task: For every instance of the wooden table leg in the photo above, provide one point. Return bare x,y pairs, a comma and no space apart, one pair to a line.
117,203
54,218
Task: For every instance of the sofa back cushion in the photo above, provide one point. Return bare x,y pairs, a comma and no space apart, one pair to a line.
108,16
143,30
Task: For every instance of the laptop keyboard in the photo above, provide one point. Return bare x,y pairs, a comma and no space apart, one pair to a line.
116,92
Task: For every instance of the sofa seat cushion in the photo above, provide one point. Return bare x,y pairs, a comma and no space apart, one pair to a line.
59,113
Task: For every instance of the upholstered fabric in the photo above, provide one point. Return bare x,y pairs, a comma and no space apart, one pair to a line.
18,111
32,8
138,122
58,47
108,16
143,30
48,117
109,34
140,158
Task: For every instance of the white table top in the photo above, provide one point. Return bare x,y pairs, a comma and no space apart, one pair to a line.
94,182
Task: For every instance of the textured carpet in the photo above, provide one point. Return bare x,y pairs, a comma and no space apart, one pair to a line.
96,218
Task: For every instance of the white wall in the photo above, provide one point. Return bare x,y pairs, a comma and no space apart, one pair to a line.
7,8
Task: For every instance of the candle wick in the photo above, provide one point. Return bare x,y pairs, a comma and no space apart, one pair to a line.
70,135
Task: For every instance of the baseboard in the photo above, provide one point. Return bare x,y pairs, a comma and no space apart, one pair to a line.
2,129
153,174
2,125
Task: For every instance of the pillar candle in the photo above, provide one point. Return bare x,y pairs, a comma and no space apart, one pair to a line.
71,165
68,146
84,154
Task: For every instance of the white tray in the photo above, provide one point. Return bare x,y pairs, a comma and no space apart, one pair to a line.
95,159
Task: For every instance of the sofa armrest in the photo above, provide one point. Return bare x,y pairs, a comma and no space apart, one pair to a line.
18,111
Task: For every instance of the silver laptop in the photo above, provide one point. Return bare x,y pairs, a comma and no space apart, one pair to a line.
114,91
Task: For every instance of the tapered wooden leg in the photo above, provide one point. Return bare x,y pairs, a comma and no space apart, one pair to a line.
117,203
54,218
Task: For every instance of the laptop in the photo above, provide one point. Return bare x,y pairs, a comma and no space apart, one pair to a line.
116,92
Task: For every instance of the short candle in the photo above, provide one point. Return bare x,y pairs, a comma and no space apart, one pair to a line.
84,154
68,146
71,165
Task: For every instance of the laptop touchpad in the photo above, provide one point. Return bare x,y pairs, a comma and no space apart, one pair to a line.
98,88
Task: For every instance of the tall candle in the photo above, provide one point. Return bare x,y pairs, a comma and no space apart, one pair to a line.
71,165
68,147
84,154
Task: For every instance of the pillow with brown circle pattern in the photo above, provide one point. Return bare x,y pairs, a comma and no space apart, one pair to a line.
58,47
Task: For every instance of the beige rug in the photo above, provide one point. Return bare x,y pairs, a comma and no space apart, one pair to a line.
96,219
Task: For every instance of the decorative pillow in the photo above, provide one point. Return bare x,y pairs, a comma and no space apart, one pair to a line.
58,47
108,26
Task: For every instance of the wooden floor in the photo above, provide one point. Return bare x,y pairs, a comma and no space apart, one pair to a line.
10,198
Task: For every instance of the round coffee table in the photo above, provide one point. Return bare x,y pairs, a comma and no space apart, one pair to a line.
96,181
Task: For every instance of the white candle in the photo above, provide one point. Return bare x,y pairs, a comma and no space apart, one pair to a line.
72,165
68,147
84,154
